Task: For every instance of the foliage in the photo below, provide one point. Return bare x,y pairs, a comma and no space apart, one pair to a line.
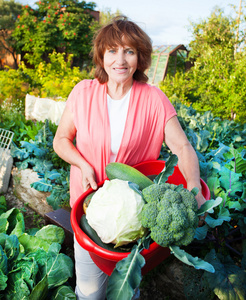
24,130
216,81
220,146
32,266
13,89
176,86
9,10
53,172
55,79
222,238
61,25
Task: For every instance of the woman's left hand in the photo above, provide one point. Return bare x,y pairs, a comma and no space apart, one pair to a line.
201,200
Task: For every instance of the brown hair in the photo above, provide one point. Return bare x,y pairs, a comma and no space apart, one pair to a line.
111,36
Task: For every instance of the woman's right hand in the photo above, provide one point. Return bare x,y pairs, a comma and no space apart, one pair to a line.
88,176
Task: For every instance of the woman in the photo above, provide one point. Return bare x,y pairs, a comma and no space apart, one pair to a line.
117,117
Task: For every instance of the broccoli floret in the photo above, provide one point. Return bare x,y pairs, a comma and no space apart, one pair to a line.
192,216
172,196
164,218
189,199
153,192
188,237
170,214
149,214
163,238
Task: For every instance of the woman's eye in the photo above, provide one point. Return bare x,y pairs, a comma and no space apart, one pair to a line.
130,51
111,51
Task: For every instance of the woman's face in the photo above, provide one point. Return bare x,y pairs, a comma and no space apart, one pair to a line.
120,64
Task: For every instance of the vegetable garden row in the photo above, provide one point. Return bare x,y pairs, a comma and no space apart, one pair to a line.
221,148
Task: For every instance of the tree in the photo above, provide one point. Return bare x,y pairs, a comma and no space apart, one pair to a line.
216,82
9,10
215,78
60,25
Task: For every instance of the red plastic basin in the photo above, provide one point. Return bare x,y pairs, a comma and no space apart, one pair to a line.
106,260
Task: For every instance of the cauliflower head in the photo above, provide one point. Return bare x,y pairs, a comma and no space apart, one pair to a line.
170,213
115,213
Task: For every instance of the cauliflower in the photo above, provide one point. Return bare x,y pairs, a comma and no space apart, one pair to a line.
115,213
170,213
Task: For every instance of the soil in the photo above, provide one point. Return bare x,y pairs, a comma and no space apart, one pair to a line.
163,283
32,219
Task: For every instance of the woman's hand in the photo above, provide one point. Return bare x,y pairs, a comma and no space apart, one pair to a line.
88,176
201,200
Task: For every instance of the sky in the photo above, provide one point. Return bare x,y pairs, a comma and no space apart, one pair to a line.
167,22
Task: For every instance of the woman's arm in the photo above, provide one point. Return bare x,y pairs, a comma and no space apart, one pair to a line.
64,147
178,143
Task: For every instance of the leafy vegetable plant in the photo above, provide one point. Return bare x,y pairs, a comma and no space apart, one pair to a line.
38,154
32,266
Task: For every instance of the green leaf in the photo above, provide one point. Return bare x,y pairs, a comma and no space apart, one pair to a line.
202,140
19,228
214,186
228,281
195,262
35,149
63,293
3,269
201,232
237,164
32,243
208,206
19,153
4,224
168,169
42,185
126,276
135,187
26,270
224,215
59,268
231,181
41,165
244,192
17,286
11,247
59,194
3,205
40,291
51,234
12,222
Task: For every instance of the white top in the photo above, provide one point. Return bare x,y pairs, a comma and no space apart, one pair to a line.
117,111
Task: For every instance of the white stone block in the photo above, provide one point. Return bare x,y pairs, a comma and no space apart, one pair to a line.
6,164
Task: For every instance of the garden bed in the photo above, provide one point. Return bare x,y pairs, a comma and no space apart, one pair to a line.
164,282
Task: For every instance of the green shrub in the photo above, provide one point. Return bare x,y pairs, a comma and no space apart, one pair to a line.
13,89
55,79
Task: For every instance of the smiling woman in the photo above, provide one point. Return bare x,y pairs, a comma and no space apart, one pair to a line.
120,64
123,34
117,117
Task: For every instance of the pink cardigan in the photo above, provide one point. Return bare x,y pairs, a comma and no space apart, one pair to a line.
149,110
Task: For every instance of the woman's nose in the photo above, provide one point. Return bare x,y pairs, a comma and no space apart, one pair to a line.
121,57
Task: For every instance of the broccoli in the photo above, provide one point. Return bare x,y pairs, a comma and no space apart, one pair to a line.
170,213
153,192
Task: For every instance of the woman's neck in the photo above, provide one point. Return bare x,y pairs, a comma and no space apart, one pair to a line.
118,91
